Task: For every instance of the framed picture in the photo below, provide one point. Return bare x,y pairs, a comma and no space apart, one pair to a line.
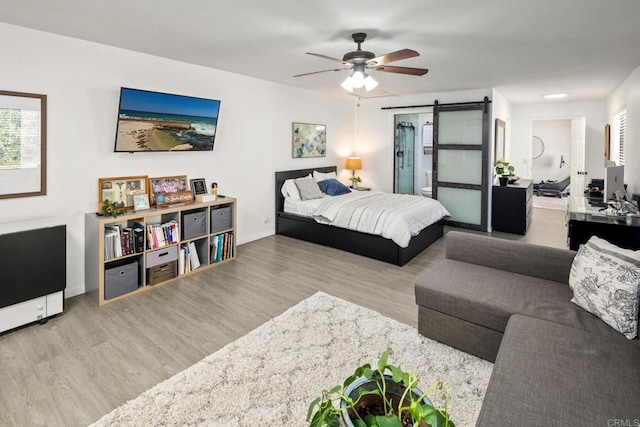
198,186
141,202
23,144
499,143
160,188
121,190
309,140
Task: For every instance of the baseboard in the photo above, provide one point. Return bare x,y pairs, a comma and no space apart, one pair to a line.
256,236
73,292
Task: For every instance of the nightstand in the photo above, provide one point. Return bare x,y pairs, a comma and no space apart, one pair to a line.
361,188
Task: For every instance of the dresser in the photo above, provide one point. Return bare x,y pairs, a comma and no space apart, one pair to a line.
512,206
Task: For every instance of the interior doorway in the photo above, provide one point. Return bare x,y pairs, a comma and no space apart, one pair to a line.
413,154
558,155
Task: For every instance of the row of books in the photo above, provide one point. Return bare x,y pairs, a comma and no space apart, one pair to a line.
221,247
188,259
161,235
121,241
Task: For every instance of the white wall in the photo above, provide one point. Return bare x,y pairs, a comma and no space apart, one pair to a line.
522,116
628,96
556,136
82,81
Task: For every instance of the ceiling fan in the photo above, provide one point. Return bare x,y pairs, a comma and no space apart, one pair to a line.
360,61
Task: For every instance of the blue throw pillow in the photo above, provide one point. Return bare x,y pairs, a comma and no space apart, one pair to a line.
333,187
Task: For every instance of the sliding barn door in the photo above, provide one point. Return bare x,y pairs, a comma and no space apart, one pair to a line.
461,161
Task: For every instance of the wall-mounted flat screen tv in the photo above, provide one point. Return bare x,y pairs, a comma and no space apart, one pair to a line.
154,121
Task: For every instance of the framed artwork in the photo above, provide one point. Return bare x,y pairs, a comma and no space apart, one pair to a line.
499,140
169,188
141,202
121,190
23,144
309,140
198,186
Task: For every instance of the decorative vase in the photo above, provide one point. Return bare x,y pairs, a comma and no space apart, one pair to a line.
394,392
354,185
503,181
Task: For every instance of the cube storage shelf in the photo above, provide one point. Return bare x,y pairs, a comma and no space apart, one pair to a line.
139,250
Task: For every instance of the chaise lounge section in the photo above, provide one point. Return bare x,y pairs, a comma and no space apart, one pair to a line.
509,302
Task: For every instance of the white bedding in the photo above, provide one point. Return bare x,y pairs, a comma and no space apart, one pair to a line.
393,216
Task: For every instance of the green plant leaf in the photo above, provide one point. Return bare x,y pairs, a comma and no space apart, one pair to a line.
371,421
359,423
336,389
312,407
368,373
382,363
388,421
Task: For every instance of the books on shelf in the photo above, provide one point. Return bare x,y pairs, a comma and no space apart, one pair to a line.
121,241
221,247
161,235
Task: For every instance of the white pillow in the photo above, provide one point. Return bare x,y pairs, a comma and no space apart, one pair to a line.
321,176
605,280
290,189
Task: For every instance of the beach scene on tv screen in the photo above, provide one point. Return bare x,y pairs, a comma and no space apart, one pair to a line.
153,121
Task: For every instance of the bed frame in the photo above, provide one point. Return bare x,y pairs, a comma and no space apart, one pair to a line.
365,244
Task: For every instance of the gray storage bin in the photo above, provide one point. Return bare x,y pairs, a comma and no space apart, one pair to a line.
162,256
119,280
221,219
194,224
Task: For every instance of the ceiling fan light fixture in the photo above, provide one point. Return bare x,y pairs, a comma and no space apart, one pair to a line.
370,83
347,84
358,79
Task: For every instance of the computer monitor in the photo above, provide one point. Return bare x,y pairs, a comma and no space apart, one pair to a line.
614,183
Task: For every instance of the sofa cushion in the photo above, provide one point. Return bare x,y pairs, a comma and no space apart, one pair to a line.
549,374
488,297
517,257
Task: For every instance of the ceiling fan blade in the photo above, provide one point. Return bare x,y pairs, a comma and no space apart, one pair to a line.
393,56
323,71
330,58
401,70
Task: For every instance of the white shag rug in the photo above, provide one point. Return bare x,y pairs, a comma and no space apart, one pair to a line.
269,376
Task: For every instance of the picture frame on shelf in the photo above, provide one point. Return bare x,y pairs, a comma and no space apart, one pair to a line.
198,186
141,202
121,190
166,190
24,144
308,140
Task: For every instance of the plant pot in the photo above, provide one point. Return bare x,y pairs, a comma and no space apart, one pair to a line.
354,185
503,181
394,392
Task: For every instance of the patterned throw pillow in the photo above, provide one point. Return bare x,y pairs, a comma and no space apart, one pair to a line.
308,188
606,280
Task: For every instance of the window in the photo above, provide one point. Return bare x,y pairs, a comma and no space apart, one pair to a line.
618,137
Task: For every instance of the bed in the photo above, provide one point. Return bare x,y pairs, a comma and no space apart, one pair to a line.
369,245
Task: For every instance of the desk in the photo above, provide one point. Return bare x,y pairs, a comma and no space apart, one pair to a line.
586,221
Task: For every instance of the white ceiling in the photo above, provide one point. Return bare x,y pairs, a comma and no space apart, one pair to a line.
524,49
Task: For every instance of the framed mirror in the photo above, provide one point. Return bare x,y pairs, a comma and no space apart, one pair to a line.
23,144
499,140
537,147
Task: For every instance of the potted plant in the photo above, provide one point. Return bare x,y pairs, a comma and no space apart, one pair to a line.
355,179
110,208
384,396
504,170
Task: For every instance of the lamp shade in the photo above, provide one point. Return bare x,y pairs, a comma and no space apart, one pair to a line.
354,163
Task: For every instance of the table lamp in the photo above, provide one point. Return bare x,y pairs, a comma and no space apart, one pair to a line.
354,163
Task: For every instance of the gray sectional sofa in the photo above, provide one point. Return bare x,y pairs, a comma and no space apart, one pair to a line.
509,302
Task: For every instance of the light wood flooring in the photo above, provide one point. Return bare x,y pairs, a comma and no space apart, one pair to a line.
89,360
